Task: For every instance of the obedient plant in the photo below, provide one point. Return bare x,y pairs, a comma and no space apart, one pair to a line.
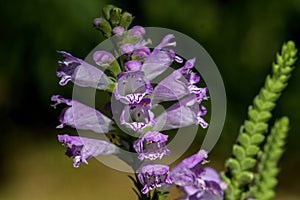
126,74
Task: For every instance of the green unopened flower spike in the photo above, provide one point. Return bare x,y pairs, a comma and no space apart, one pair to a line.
239,167
265,178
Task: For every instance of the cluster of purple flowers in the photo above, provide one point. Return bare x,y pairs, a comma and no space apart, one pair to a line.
130,85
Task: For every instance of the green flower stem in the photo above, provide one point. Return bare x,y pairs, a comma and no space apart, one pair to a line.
265,179
159,194
239,167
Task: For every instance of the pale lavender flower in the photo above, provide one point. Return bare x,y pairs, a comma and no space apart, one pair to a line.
151,145
153,175
81,73
81,148
212,188
197,182
138,115
178,84
160,58
131,87
188,171
80,116
184,113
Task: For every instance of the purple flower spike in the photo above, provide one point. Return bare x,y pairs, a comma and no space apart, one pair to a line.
103,58
137,31
160,58
138,115
81,73
151,145
118,30
133,65
184,113
131,87
81,149
189,170
153,175
83,117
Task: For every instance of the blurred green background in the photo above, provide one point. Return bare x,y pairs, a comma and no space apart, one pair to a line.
241,36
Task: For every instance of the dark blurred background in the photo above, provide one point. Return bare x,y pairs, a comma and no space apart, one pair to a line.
241,36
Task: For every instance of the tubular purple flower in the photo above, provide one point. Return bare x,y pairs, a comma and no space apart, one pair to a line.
81,148
212,187
151,145
189,170
83,117
133,65
160,58
177,85
80,73
184,113
153,175
138,115
131,87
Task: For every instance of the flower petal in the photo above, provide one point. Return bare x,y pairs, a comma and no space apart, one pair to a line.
160,58
81,148
151,145
131,87
184,113
80,73
138,115
175,86
82,117
153,175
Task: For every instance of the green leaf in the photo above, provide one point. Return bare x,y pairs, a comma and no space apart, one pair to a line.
232,164
239,152
248,163
245,177
257,139
244,139
252,150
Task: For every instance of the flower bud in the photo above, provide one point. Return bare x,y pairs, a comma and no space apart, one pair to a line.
106,60
115,16
103,26
133,65
137,31
106,11
126,20
118,30
126,49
